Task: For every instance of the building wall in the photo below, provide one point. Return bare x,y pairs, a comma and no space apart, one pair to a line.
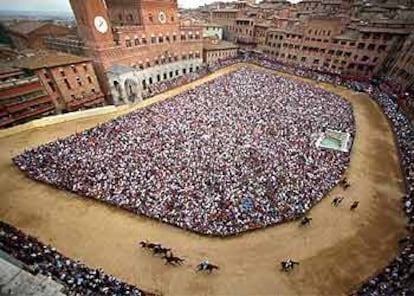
72,87
152,41
212,56
213,31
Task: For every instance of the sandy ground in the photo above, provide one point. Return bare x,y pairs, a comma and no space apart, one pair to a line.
336,253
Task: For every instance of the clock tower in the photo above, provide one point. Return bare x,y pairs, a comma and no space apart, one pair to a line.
93,22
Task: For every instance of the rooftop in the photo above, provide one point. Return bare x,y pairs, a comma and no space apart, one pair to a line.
209,45
26,27
49,60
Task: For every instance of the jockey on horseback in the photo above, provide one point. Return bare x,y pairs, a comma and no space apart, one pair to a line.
204,264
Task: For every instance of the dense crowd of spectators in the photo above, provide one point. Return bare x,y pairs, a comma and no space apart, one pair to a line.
235,154
77,278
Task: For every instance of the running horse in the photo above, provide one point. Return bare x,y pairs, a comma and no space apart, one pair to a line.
173,260
288,265
205,266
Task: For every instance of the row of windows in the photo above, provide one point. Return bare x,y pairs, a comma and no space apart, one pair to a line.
73,68
364,59
165,76
159,39
78,82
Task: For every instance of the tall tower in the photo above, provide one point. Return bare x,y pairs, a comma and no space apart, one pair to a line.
158,13
94,26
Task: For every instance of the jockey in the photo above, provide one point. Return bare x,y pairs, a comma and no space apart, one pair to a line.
204,264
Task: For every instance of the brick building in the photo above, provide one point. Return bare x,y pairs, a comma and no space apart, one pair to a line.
351,37
23,97
31,34
136,43
216,49
70,80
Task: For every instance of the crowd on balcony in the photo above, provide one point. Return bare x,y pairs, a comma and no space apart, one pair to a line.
235,154
76,277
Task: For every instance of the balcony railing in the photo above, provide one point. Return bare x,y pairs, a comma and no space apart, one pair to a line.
15,107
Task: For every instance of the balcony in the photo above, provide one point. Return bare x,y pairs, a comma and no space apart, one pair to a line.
19,88
34,112
16,107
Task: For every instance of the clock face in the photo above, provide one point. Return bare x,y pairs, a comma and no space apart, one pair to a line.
162,18
100,24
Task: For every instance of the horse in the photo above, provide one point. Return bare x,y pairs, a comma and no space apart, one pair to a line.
206,267
337,200
305,221
344,183
288,265
160,250
173,260
147,245
354,205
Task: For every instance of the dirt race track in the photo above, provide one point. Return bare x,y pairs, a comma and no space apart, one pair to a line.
337,251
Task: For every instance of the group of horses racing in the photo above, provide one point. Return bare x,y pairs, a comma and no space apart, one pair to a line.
286,266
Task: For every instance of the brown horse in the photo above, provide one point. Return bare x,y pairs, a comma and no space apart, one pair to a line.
173,260
148,245
160,250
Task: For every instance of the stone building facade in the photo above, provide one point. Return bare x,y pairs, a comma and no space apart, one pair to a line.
215,50
136,43
349,37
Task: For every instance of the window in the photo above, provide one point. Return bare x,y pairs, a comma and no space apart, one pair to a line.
79,81
167,38
158,78
89,79
136,41
174,38
46,74
177,72
165,76
73,67
128,43
150,80
143,40
361,45
93,90
365,59
141,66
371,46
182,37
316,61
171,74
85,68
148,64
150,17
184,71
153,40
62,73
160,39
67,84
52,86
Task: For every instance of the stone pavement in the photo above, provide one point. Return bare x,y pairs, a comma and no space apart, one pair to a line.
16,281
